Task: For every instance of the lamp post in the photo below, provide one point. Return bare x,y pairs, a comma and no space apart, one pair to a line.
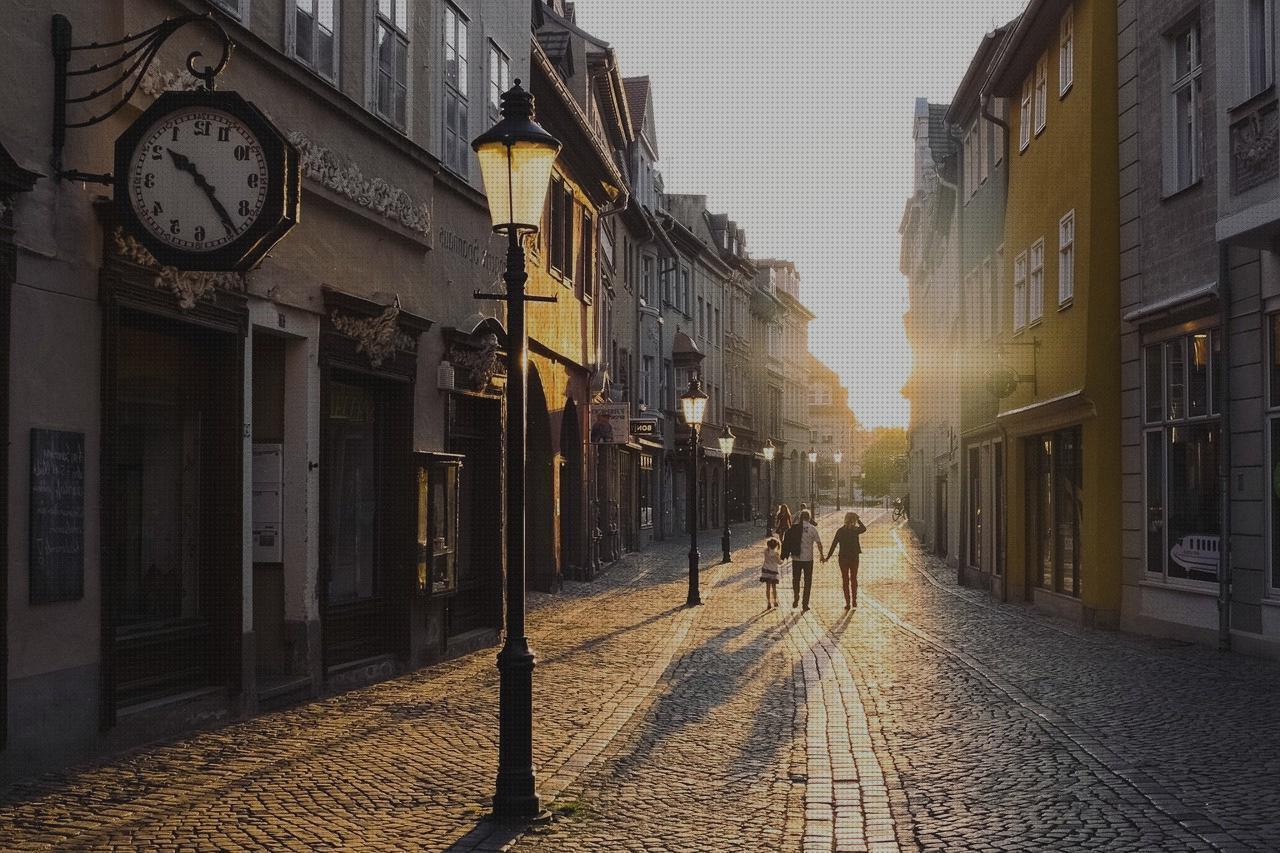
693,404
813,467
726,448
516,156
769,451
838,456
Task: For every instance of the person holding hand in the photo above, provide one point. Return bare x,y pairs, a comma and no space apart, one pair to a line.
849,545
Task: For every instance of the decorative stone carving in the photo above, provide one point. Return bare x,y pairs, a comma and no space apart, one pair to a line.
476,361
1255,148
377,337
344,177
189,286
155,81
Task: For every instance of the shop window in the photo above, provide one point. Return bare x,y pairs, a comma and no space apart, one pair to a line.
355,483
646,491
437,522
975,508
1055,484
1182,493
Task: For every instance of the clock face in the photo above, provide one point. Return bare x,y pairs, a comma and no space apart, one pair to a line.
197,179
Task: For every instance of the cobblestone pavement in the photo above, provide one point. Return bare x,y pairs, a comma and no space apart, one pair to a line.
927,718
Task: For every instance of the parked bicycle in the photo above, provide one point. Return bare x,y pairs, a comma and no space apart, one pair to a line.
899,509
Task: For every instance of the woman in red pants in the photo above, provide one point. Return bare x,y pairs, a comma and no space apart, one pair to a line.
850,547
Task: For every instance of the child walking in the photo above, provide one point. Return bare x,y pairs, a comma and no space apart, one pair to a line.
769,573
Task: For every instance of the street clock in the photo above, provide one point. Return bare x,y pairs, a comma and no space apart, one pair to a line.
205,182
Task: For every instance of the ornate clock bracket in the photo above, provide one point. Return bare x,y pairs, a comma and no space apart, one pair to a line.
139,51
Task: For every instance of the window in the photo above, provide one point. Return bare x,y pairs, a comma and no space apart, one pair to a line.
391,66
499,80
1020,292
1055,490
567,207
1185,152
1181,458
555,237
1042,93
1024,116
997,133
998,297
1067,258
686,304
987,285
314,44
646,491
456,140
699,318
1260,59
646,380
437,522
586,254
646,280
1035,294
1067,51
984,159
717,328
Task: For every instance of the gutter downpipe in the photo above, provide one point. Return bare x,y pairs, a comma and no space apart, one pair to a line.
1224,452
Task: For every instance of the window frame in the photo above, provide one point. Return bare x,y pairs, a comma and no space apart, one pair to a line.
493,106
1256,85
1066,51
379,21
1042,95
291,29
1190,83
1067,259
1035,290
455,142
1027,104
1162,430
1019,292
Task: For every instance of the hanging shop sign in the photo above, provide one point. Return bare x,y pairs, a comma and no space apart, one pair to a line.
610,423
203,179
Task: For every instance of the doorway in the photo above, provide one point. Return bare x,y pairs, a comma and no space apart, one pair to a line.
571,518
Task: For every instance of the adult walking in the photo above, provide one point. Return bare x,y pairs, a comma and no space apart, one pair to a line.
782,522
847,541
801,542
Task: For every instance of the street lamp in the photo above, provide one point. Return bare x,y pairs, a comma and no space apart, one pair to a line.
693,404
769,451
516,156
838,456
813,504
726,448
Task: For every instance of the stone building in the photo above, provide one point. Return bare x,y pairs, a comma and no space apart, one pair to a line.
287,476
979,121
834,429
930,261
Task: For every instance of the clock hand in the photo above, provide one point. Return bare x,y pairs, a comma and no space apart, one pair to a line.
184,164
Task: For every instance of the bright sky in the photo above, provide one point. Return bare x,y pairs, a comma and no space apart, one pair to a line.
794,118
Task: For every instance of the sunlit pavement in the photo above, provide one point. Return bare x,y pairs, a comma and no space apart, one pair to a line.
928,718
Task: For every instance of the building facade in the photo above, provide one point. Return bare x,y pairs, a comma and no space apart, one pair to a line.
930,261
984,175
1060,394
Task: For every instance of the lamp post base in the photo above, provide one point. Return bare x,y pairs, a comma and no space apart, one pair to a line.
515,797
724,546
695,596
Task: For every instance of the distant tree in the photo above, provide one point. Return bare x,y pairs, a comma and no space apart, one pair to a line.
885,460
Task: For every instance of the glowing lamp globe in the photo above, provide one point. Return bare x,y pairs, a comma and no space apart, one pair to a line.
516,156
693,403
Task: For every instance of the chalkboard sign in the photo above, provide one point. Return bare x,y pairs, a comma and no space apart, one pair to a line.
57,515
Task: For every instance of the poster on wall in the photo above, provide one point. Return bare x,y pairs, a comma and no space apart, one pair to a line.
57,516
610,423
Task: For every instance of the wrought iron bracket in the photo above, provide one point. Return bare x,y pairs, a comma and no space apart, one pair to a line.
137,53
1034,376
502,297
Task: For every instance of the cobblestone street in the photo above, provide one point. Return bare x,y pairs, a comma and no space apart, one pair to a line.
928,718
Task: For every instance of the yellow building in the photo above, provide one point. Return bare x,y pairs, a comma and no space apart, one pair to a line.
1056,369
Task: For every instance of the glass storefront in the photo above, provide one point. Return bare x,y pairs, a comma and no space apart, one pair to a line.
1181,441
1055,486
